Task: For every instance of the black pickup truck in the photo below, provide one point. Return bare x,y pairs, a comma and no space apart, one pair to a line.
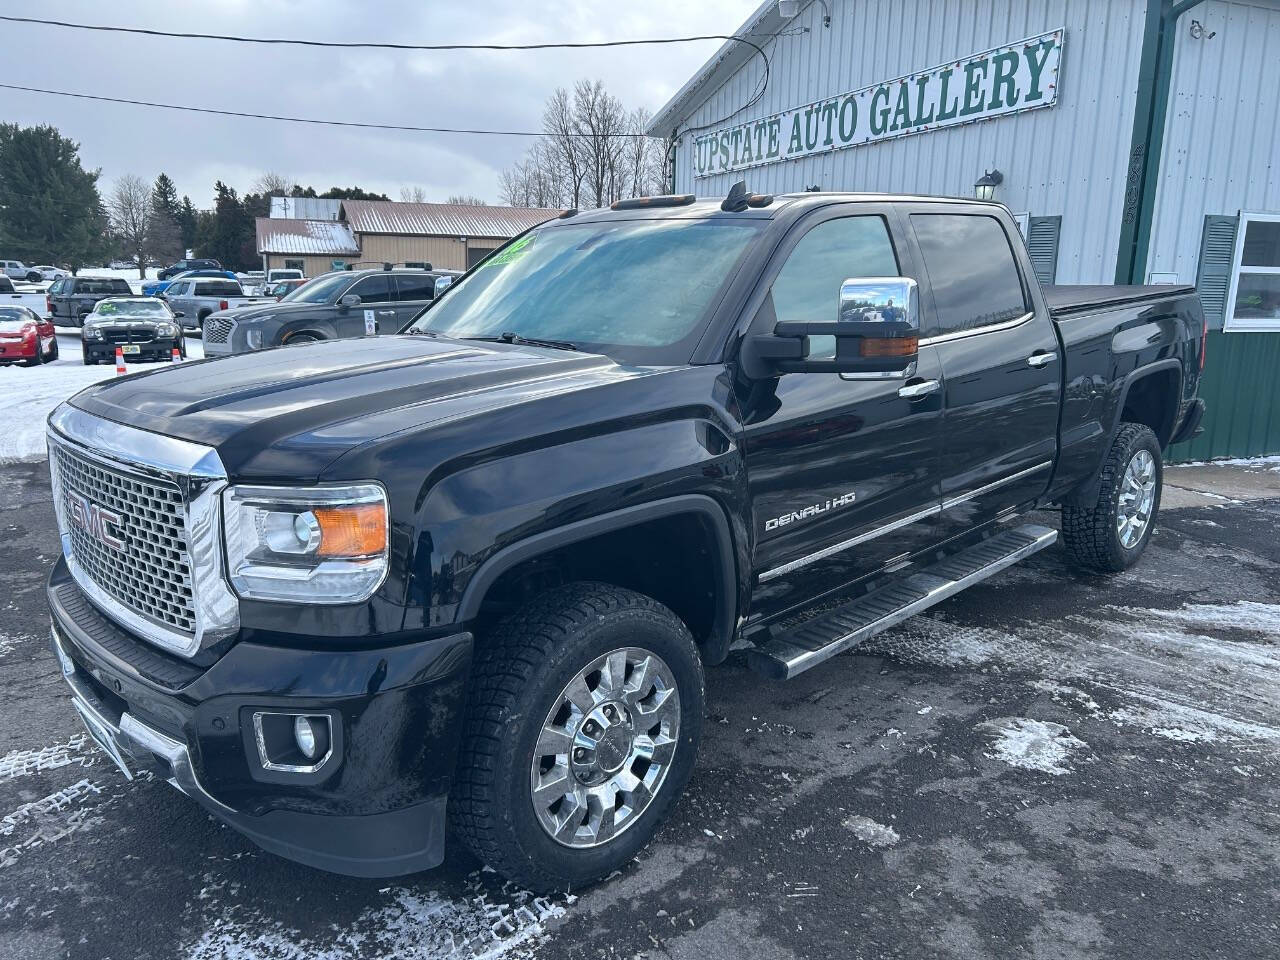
348,594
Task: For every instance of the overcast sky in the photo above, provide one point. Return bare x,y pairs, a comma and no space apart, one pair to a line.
499,90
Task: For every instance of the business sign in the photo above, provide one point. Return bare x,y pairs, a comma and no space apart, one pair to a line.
1009,79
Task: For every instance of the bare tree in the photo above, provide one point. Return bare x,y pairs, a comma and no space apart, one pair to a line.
600,123
413,195
129,213
272,184
562,142
466,200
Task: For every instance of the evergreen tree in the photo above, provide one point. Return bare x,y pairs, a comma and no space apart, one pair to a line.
164,198
188,221
50,209
227,230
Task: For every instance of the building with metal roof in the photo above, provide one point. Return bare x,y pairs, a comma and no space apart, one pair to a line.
304,208
312,246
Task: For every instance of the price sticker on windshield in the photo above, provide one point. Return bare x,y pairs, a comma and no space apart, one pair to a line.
370,324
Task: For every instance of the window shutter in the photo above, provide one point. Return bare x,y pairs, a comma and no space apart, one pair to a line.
1213,276
1042,246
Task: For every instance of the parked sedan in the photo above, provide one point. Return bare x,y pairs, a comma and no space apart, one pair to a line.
26,337
144,328
48,272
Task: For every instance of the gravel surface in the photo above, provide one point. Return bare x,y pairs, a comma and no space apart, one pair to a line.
1050,765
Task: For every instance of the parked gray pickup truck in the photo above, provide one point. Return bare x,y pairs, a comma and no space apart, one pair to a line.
348,303
196,298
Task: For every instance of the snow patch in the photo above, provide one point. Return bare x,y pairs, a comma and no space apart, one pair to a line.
1271,462
876,835
1242,615
408,925
1187,724
24,763
1031,744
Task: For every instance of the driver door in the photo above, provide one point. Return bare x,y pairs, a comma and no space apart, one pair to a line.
842,468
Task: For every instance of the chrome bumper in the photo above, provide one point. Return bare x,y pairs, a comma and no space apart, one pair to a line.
130,735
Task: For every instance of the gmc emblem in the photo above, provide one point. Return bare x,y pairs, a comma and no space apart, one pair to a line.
98,522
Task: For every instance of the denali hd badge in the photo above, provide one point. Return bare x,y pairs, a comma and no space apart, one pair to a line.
807,512
98,522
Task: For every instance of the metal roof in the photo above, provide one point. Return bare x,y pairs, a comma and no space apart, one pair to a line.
304,208
319,237
441,219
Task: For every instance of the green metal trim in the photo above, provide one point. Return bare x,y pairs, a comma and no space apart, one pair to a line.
1155,76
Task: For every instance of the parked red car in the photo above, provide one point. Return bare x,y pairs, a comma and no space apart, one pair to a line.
26,337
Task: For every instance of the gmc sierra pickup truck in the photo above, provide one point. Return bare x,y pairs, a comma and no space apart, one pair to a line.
350,594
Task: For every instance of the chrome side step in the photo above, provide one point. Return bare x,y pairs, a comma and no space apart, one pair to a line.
845,627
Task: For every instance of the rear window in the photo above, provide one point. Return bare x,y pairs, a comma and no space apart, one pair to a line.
415,286
108,286
971,269
218,288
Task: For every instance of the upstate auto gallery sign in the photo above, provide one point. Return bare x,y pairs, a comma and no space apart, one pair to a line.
993,83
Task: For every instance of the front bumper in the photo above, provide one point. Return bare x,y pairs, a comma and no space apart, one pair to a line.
151,350
377,810
12,350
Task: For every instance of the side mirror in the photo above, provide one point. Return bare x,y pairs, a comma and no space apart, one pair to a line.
178,314
349,300
442,284
876,331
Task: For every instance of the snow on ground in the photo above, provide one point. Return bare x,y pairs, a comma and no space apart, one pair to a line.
1252,463
870,832
1031,744
29,394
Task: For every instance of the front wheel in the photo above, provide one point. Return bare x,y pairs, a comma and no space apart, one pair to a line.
1111,533
582,728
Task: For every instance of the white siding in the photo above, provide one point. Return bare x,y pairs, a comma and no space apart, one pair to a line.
1222,136
1069,159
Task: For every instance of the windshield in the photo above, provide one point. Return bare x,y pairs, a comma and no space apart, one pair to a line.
637,290
130,308
12,318
319,290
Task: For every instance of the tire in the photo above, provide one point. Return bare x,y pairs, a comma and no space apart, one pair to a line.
34,277
519,686
53,351
1092,533
90,363
301,338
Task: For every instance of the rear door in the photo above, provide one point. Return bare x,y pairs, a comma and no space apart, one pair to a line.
842,469
377,305
999,356
413,292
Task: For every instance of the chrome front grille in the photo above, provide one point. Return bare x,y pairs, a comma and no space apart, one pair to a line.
149,571
218,329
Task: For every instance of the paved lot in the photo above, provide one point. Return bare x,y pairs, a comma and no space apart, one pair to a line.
1051,765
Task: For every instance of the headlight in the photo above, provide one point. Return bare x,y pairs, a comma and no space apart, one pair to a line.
254,339
92,332
318,545
166,330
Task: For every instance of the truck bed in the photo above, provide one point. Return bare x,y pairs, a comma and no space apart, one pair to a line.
1073,298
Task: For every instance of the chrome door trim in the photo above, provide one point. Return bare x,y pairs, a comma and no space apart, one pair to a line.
987,488
1039,360
992,328
898,524
916,391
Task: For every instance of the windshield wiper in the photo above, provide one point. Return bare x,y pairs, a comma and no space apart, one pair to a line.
510,337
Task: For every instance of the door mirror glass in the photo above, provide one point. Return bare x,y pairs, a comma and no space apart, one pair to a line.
349,300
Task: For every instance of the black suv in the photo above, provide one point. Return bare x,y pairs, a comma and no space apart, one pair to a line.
334,306
182,266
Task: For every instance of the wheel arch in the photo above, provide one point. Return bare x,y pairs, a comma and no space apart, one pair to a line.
634,521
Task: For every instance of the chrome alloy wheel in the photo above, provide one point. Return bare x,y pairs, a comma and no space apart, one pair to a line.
605,747
1137,497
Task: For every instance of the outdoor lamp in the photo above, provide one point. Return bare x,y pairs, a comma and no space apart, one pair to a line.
985,186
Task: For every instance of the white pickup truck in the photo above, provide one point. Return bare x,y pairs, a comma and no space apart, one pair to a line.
197,297
9,297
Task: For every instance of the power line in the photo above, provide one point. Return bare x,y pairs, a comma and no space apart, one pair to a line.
313,120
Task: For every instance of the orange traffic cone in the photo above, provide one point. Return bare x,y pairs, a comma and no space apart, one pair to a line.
177,355
120,362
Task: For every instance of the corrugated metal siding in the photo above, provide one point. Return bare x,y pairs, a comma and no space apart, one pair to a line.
446,253
1242,403
1222,138
1070,159
311,266
441,219
313,237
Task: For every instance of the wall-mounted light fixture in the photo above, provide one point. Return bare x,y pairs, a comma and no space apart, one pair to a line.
787,10
984,188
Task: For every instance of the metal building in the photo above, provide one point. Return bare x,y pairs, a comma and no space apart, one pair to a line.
1135,141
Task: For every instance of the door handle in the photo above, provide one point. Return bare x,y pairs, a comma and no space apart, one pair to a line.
1042,359
914,391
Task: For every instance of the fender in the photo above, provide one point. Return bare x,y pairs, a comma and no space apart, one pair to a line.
312,325
715,650
1087,492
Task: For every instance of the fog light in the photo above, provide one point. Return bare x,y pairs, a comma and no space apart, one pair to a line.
298,743
305,734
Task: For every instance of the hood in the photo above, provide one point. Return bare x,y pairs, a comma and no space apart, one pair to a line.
289,412
270,307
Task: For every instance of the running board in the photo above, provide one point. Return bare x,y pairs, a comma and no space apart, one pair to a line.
845,627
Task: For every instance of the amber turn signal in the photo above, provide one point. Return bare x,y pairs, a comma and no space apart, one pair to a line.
359,530
890,346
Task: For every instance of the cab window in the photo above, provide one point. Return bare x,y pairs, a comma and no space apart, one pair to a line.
808,286
375,289
972,272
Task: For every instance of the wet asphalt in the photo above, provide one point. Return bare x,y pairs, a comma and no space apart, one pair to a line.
1050,765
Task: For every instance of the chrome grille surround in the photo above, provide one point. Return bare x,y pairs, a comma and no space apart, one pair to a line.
165,582
217,330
